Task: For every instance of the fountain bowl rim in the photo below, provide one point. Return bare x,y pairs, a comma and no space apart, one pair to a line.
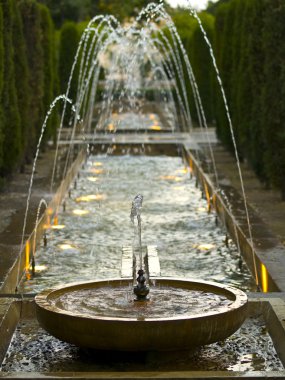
44,298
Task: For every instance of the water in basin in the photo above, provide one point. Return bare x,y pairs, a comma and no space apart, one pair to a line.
165,302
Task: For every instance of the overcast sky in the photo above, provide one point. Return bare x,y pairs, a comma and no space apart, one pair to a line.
197,4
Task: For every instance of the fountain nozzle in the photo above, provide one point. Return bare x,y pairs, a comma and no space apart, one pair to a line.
141,290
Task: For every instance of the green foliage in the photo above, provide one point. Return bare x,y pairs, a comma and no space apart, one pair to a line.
1,87
249,80
73,10
31,18
80,10
50,69
120,10
199,57
251,57
11,117
273,107
185,25
21,75
69,39
238,48
220,47
202,63
214,6
27,79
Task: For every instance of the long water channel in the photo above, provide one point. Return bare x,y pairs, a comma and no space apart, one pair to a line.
86,241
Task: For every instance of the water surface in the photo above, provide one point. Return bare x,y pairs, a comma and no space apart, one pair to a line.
87,242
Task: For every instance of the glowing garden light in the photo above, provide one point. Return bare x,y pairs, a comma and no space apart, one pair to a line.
79,212
91,197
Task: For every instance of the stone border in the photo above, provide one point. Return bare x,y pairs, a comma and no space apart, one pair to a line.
10,281
268,252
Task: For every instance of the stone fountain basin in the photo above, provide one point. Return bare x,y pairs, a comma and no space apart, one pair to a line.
132,334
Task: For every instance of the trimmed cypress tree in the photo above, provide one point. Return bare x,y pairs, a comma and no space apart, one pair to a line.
11,118
21,75
221,51
49,63
202,63
1,86
31,18
227,70
239,42
185,25
241,79
69,39
273,107
251,86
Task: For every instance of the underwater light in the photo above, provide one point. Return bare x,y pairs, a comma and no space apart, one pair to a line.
58,226
155,128
49,211
171,178
91,197
96,171
201,209
110,127
152,116
65,246
205,247
40,268
97,163
80,212
92,179
182,171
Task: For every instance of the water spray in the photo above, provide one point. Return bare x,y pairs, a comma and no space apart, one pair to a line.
140,290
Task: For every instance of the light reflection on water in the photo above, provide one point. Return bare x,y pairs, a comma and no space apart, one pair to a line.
188,241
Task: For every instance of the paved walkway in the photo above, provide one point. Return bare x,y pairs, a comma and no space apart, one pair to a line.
266,203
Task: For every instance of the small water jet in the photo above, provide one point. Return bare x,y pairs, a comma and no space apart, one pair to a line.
140,290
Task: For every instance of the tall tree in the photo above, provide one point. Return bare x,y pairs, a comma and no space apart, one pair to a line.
21,75
81,10
238,75
249,86
69,39
1,87
220,48
50,72
273,107
72,10
202,62
31,18
11,118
